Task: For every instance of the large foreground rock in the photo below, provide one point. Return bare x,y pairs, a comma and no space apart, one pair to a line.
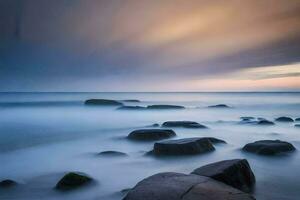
177,186
236,173
151,134
103,102
73,180
269,147
186,146
164,107
183,124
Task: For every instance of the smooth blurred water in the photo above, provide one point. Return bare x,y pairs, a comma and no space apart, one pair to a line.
44,135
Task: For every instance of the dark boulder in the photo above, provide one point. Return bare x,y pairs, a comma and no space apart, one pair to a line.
158,107
265,122
297,119
73,180
103,102
284,119
112,154
151,134
131,108
177,186
183,124
7,183
219,106
236,173
247,118
269,147
186,146
214,140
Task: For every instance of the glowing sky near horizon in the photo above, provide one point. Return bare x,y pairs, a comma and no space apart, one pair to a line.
141,45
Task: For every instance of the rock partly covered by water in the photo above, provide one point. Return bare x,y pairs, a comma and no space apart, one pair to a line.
164,107
247,118
187,146
151,134
265,122
183,124
131,108
177,186
219,106
297,119
269,147
73,180
132,100
112,154
103,102
7,183
284,119
236,173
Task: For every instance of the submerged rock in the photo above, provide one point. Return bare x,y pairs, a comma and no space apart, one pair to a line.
151,134
103,102
219,106
269,147
73,180
177,186
236,173
284,119
183,124
131,108
265,122
186,146
112,154
7,183
165,107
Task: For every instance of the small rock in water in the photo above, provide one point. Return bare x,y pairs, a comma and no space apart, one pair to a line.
103,102
151,134
265,122
131,108
73,180
219,106
269,147
247,118
236,173
297,119
164,107
284,119
188,146
112,153
183,124
132,100
7,183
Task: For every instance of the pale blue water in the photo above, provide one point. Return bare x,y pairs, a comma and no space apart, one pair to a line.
43,135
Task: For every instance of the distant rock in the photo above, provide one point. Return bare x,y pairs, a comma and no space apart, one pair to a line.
177,186
7,183
132,100
297,119
265,122
103,102
73,180
284,119
164,107
297,125
269,147
247,118
219,106
151,134
187,146
236,173
112,154
131,108
183,124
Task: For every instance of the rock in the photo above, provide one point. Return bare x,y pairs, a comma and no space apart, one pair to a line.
297,125
151,134
247,118
131,108
7,183
214,140
164,107
265,122
73,180
183,124
269,147
236,173
297,119
103,102
125,191
219,106
132,100
112,154
177,186
284,119
186,146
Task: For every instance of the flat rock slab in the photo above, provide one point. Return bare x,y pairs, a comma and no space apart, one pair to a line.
284,119
188,146
165,107
73,180
183,124
151,134
236,173
269,147
177,186
103,102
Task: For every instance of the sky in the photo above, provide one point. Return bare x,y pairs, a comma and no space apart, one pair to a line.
142,45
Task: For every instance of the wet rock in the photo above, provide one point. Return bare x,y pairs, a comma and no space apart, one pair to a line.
236,173
151,134
269,147
103,102
73,180
164,107
131,108
183,124
188,146
7,183
214,140
284,119
219,106
265,122
112,154
177,186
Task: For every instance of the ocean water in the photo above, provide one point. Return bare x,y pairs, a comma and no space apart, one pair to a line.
44,135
